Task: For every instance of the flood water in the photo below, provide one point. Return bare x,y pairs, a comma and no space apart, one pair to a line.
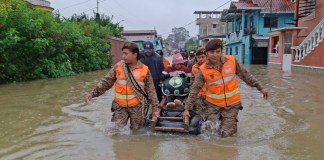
47,119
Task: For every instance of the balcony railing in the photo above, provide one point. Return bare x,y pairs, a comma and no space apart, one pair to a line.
310,42
234,37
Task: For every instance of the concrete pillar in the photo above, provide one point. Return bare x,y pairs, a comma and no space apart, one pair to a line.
234,23
243,20
226,30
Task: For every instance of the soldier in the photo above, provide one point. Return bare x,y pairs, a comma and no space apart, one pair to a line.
201,57
222,89
134,89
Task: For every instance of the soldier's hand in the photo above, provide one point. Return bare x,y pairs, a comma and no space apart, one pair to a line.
265,94
174,75
156,114
87,97
186,113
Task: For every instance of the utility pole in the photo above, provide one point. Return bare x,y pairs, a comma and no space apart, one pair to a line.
97,14
97,6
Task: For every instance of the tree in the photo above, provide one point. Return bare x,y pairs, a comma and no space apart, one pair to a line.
178,35
191,44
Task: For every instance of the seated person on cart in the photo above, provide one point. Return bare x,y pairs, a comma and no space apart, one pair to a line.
176,80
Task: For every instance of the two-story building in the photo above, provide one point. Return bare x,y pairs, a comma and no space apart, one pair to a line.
210,26
251,21
300,46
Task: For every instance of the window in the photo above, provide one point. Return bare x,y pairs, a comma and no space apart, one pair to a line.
236,50
214,25
252,25
274,48
270,22
226,51
230,51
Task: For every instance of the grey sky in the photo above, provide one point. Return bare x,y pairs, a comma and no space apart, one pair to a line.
144,14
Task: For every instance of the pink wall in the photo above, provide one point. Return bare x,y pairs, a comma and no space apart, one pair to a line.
115,50
315,58
311,23
280,47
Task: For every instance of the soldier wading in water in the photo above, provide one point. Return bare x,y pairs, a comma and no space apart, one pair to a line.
134,89
222,89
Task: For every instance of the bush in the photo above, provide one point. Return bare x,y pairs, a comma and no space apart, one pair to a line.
36,44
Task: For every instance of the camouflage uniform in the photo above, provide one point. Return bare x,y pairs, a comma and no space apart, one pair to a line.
122,114
212,113
191,62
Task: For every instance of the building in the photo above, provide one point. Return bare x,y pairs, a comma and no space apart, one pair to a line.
210,26
300,46
140,36
40,4
252,20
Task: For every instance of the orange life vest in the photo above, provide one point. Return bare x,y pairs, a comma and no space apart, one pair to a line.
166,63
194,70
222,88
124,95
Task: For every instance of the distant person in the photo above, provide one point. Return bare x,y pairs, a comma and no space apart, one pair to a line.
166,62
155,64
185,56
192,59
134,89
223,100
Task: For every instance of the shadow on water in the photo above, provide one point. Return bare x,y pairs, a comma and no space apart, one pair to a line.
47,120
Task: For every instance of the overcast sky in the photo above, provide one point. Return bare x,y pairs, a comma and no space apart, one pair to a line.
144,14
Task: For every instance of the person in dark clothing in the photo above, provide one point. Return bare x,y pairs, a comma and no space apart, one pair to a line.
155,65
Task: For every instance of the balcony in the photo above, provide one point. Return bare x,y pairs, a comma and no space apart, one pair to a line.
234,37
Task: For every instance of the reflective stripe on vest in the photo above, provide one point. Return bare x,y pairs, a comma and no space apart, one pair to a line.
124,82
226,79
128,97
221,96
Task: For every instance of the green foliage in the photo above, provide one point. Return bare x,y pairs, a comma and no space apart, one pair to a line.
191,44
35,44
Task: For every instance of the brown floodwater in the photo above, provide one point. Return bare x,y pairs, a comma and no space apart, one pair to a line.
47,119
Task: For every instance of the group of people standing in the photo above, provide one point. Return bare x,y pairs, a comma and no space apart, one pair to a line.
214,90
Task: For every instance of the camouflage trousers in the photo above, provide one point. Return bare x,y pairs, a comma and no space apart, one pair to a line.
221,120
122,114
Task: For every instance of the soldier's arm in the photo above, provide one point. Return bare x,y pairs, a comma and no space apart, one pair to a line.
150,91
194,90
247,77
105,83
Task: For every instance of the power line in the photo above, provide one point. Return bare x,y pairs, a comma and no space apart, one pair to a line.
196,20
74,5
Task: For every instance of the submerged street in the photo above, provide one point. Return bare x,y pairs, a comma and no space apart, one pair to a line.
47,119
